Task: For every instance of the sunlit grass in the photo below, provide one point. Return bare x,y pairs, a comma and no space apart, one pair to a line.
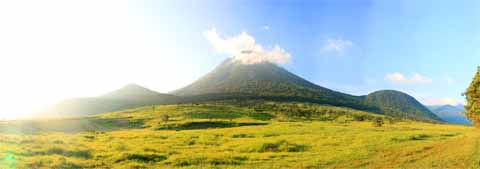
144,141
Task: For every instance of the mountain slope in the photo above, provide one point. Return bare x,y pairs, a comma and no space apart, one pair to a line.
398,104
451,114
264,80
129,96
268,81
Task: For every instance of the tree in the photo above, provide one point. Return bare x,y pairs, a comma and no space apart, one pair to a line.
473,100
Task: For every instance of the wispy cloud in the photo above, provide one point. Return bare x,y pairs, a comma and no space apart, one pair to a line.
399,78
266,27
336,45
245,49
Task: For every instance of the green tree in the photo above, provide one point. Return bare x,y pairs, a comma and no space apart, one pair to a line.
473,100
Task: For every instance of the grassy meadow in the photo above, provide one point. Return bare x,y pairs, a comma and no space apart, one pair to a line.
237,135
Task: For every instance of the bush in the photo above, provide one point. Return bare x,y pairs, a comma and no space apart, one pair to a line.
393,120
377,122
359,117
261,116
76,153
280,146
242,136
165,118
146,157
236,160
419,137
213,115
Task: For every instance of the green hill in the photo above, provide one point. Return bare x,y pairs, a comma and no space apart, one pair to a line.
129,96
398,104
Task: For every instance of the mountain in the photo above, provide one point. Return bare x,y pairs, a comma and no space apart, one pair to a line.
129,96
235,80
138,93
232,79
451,114
399,104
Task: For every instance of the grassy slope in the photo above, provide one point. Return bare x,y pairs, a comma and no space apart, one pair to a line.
137,137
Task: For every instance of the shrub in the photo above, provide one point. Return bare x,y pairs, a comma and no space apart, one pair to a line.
377,122
146,157
58,142
419,137
359,117
76,153
261,116
165,118
236,160
280,146
242,136
271,135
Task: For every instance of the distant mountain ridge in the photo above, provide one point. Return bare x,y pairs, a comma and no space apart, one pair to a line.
129,96
235,80
451,114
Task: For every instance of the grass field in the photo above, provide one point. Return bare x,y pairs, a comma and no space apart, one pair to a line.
236,136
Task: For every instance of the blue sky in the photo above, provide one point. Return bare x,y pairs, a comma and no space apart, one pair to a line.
57,49
425,48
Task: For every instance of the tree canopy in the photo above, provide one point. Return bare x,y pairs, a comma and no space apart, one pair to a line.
473,100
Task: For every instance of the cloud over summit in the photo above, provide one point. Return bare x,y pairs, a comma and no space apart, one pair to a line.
245,49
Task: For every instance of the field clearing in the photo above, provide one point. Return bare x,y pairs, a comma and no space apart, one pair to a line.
143,141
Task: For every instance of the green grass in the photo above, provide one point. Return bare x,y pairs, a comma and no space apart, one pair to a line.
138,138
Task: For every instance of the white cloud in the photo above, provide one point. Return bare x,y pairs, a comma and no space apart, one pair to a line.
266,27
244,48
443,101
399,78
338,46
